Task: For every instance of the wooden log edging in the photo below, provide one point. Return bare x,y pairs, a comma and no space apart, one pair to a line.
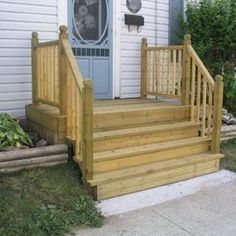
228,132
34,157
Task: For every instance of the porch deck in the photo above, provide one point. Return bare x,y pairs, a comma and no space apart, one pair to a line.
128,145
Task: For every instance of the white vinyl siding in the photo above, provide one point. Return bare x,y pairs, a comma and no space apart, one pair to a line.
18,18
156,30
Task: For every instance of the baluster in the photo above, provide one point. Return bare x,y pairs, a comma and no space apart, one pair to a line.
69,99
73,107
193,90
209,118
204,106
148,72
39,73
169,68
179,71
158,72
163,71
154,89
198,95
174,72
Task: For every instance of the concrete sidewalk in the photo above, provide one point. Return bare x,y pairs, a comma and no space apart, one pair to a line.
210,211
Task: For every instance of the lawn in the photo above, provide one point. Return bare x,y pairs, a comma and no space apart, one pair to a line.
45,201
229,149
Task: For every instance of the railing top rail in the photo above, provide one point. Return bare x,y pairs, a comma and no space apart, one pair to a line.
48,43
74,65
164,47
202,67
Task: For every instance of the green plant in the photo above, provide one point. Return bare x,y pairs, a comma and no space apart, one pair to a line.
45,201
212,24
11,134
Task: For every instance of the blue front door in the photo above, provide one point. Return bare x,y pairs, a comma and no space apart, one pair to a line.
90,36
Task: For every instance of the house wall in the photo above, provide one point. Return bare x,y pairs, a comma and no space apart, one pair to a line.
156,30
18,18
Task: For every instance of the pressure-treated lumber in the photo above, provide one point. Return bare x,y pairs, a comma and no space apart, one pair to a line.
146,169
105,140
144,68
155,179
217,117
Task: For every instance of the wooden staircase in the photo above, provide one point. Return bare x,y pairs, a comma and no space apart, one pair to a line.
140,144
170,134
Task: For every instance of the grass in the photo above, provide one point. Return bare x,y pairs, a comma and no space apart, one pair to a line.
229,149
45,201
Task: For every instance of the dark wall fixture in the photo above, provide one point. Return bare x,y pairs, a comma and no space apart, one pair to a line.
134,20
134,6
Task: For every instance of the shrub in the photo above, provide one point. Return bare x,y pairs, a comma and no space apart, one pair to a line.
212,24
11,134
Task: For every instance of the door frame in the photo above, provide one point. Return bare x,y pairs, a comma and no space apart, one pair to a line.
63,18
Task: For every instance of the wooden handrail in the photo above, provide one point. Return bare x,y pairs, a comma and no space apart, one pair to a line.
58,82
200,64
164,47
74,65
49,43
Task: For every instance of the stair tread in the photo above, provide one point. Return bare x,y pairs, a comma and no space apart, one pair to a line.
99,135
148,148
134,171
139,107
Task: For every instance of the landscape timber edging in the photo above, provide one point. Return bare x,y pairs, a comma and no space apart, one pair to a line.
11,161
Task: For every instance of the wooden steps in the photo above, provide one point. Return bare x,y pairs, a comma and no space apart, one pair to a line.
146,134
140,155
140,144
132,115
138,178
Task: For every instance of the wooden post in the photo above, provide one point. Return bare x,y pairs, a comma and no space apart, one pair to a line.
144,47
34,45
186,70
62,71
87,139
217,114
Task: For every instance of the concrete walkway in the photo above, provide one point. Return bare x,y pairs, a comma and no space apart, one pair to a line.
209,211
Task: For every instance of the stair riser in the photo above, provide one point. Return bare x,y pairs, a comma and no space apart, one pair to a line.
126,118
130,161
156,179
146,138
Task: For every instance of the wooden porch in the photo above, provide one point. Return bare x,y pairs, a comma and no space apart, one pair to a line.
169,134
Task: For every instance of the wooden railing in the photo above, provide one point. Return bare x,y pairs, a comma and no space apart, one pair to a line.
178,72
57,81
204,94
161,70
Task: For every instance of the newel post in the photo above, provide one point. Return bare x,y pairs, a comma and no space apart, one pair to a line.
62,71
87,126
34,45
217,114
144,47
186,70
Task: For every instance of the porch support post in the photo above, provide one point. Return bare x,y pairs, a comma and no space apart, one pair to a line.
62,71
217,114
87,126
144,47
34,45
186,70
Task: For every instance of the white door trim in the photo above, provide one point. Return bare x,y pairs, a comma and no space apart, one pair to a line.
116,37
62,13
